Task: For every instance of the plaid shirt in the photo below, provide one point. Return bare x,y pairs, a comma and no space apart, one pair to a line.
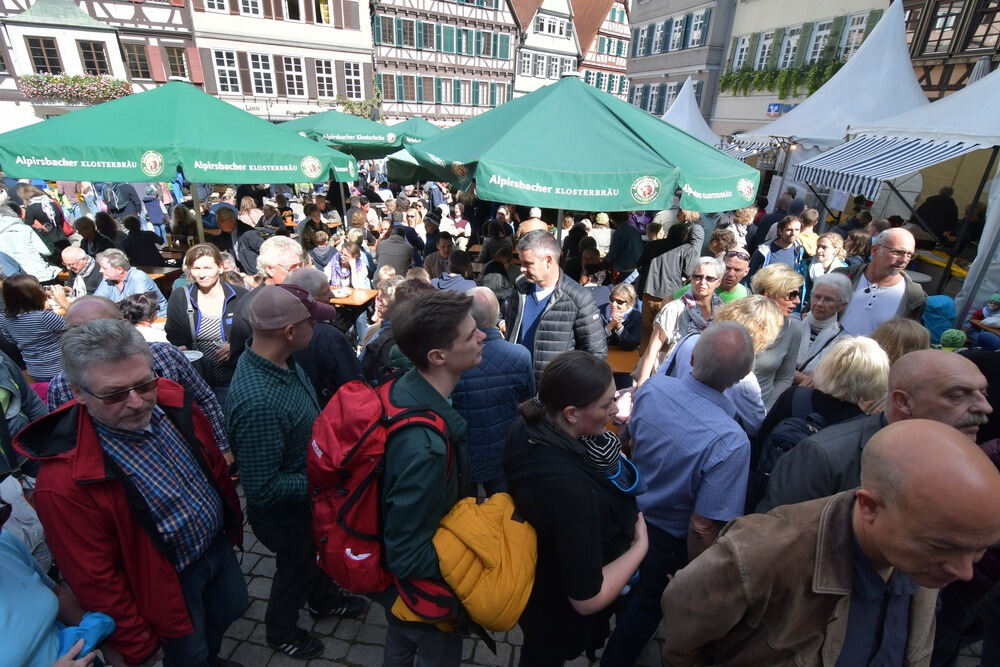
270,412
157,461
170,363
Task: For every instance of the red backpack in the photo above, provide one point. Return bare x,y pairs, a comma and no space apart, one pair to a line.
344,466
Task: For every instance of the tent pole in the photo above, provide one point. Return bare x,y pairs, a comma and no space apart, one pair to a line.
916,217
970,301
559,219
197,212
821,203
964,228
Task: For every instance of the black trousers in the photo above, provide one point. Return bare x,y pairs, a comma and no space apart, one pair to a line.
297,577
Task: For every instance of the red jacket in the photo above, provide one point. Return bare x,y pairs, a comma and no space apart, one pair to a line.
104,544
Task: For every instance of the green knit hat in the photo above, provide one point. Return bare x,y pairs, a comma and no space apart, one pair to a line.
952,339
995,298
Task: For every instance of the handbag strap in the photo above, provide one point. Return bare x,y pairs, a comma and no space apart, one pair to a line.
190,314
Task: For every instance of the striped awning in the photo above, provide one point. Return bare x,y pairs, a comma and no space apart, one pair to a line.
861,165
740,152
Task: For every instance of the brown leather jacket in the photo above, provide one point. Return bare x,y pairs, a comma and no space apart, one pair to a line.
775,590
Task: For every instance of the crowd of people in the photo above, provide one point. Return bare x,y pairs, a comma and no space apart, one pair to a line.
799,466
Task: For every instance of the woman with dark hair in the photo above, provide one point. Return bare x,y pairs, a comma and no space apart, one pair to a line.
107,226
142,311
43,215
200,316
495,239
858,247
140,244
569,480
36,331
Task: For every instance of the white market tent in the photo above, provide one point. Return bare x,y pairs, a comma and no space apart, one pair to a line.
684,114
902,144
876,82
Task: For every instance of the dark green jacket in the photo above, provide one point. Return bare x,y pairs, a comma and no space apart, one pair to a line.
416,492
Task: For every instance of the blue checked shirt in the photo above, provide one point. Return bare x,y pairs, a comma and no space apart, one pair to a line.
157,461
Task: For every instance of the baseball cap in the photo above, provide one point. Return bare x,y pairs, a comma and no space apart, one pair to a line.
277,306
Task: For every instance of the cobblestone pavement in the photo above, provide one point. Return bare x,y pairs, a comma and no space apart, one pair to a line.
357,643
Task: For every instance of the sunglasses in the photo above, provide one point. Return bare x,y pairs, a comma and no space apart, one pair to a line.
620,302
120,395
794,294
700,278
739,253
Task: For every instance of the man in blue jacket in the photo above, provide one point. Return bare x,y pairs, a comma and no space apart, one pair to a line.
487,396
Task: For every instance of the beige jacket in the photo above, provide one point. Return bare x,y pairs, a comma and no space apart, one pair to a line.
775,590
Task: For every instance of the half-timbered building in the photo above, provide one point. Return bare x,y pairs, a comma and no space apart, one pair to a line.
602,27
549,47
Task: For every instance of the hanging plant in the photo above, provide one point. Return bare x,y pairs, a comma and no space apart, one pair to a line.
785,82
726,82
72,88
766,79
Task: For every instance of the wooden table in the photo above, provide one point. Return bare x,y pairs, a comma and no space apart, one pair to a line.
172,254
357,298
160,272
985,327
622,361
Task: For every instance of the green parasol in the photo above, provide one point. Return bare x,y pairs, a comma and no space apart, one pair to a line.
144,137
404,169
362,138
416,129
569,145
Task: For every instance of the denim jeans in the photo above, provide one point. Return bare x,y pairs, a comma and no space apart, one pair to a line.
636,625
412,645
216,595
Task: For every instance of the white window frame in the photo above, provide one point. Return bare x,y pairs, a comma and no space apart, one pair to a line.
465,88
636,96
302,11
742,49
671,95
540,24
677,34
764,49
186,76
217,6
854,34
501,93
566,65
697,38
525,64
539,68
789,46
552,67
326,79
820,36
228,68
262,69
654,97
658,38
295,75
354,82
408,29
642,42
246,7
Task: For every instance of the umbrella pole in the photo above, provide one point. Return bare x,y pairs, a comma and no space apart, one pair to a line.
197,212
344,200
559,219
964,228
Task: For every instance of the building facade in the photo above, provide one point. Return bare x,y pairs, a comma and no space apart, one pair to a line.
947,38
776,35
673,40
281,59
442,59
549,47
602,28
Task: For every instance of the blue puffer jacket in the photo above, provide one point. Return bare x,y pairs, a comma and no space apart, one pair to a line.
487,397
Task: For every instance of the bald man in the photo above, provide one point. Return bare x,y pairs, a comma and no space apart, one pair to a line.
487,395
168,362
882,288
86,275
849,580
926,384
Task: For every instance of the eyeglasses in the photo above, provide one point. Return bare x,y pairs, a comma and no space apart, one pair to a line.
793,295
696,278
738,253
120,395
291,267
898,254
620,302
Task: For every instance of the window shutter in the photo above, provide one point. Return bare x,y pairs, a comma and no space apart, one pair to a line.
664,46
479,43
732,52
832,48
194,61
470,42
635,42
400,88
243,61
751,59
704,27
772,58
207,65
338,71
644,97
279,76
650,33
309,13
312,89
602,44
368,76
398,31
493,93
475,93
661,104
456,89
686,41
420,89
873,18
503,48
801,50
459,39
377,27
438,88
267,9
698,85
449,38
157,69
418,32
352,15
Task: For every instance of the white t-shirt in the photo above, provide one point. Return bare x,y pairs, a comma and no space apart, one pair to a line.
871,305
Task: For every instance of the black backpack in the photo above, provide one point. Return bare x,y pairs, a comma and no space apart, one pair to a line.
785,436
